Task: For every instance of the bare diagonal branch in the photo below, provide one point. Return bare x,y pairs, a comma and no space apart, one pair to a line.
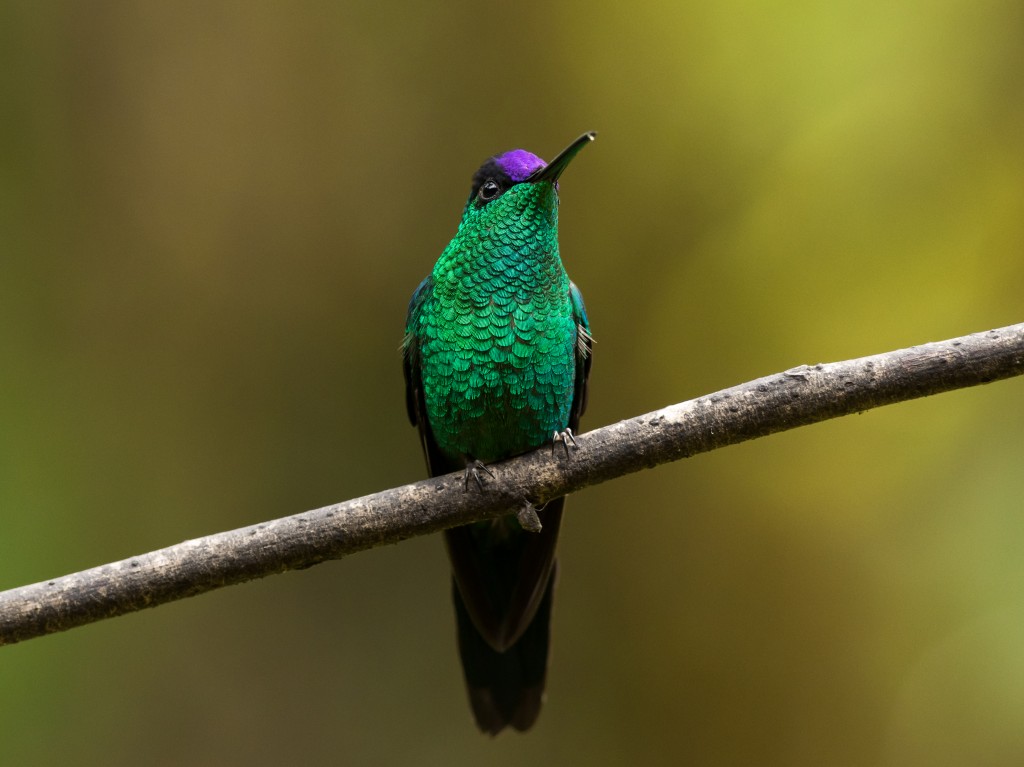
796,397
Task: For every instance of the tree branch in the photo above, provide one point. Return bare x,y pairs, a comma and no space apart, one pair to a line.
796,397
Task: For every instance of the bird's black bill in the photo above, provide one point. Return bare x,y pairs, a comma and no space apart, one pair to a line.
553,169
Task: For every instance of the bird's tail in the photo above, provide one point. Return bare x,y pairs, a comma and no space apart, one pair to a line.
505,688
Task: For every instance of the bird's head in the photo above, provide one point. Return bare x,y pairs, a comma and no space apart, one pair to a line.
518,181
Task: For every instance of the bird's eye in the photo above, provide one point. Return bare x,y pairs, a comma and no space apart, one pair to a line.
489,190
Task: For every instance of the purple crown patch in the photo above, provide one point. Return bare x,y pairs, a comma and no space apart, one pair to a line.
519,164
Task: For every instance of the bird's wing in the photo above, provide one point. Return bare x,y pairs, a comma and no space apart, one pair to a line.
584,356
414,402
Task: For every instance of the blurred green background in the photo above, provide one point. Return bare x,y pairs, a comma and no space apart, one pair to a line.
212,216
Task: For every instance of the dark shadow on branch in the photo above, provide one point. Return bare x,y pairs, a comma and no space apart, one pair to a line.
797,397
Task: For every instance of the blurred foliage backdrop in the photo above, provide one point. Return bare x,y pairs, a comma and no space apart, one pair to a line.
211,218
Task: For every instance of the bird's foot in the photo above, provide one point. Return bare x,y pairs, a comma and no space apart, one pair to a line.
528,518
565,437
473,469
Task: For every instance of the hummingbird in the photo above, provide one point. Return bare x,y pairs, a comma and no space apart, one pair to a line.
497,356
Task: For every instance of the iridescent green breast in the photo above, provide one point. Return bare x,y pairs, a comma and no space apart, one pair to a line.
497,334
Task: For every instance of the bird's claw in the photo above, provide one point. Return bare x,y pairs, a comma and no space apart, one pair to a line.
473,469
565,437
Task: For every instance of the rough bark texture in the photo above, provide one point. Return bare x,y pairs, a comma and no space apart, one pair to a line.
799,396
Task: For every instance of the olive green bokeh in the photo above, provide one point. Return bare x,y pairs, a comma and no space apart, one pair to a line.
211,218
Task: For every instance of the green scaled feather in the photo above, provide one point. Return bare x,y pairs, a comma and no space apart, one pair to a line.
497,331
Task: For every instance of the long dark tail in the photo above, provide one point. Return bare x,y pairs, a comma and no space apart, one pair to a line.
505,688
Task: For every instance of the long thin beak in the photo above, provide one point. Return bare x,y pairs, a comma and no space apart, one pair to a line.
553,169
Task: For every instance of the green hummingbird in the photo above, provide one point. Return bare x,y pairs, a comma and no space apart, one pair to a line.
497,355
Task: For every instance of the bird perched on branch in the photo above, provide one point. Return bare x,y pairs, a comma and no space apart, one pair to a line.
497,354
